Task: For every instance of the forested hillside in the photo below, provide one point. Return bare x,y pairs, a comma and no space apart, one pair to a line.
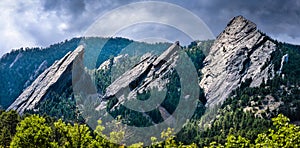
240,119
63,105
21,67
248,111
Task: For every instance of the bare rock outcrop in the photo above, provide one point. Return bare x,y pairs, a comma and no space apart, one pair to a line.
150,73
55,77
240,52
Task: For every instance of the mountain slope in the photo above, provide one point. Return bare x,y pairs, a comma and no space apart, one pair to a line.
151,73
57,77
239,53
257,79
21,67
158,92
18,72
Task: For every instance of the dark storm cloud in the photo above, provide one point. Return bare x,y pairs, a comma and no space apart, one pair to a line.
80,13
74,7
275,17
45,22
70,11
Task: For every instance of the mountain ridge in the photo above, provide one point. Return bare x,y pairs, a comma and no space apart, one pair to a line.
240,54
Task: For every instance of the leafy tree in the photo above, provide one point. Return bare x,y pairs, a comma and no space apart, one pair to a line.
169,141
99,140
284,135
72,136
33,132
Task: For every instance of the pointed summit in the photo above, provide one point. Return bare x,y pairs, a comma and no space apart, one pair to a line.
240,21
238,27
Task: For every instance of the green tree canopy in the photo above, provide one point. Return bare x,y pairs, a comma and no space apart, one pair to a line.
284,135
73,136
32,132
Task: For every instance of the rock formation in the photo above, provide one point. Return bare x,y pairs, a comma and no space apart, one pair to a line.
145,75
150,73
55,77
240,52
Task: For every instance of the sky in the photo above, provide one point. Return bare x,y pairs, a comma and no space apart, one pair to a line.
41,23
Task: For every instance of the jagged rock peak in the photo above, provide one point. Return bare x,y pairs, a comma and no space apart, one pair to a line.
59,74
239,24
240,52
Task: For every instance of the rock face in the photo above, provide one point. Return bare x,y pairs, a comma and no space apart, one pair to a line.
145,72
148,74
55,77
43,66
240,52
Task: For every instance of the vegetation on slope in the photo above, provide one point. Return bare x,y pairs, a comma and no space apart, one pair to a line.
242,120
248,110
39,131
21,67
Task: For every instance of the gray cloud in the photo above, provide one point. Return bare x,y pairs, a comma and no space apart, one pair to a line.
44,22
275,17
72,6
